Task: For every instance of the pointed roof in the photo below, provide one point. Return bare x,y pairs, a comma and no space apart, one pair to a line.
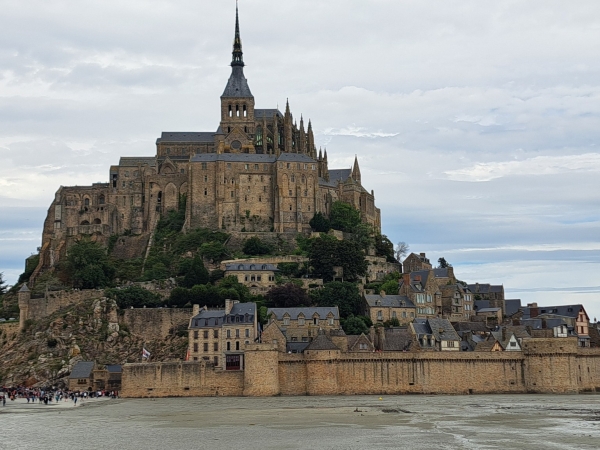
24,288
237,86
238,54
356,169
321,342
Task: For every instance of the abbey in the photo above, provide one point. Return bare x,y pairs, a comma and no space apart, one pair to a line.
258,172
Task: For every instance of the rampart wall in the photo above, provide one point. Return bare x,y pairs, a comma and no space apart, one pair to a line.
545,366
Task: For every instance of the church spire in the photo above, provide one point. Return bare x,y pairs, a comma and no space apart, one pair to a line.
238,55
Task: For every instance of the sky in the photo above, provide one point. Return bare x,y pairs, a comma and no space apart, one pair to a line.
475,122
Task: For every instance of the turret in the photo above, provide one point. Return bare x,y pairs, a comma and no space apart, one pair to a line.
356,170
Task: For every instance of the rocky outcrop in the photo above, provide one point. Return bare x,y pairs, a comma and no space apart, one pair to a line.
45,351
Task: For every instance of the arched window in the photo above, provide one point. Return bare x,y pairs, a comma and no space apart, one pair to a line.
252,267
230,111
259,136
237,111
245,111
101,199
85,222
241,267
97,221
264,267
86,202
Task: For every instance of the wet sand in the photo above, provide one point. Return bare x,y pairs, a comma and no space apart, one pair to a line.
361,422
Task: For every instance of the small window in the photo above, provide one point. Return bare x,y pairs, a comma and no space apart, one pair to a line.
216,334
286,321
216,346
206,334
196,334
247,333
204,166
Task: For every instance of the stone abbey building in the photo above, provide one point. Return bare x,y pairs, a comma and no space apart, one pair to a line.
258,172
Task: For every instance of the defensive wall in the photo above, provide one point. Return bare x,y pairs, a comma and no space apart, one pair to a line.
544,366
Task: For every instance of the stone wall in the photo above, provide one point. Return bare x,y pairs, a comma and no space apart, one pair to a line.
185,379
155,324
545,366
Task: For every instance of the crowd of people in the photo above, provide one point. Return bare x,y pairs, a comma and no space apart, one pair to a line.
51,395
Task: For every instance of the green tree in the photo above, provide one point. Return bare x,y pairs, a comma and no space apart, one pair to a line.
88,266
254,246
320,223
215,251
352,260
232,282
344,217
216,275
443,264
390,287
344,295
134,297
323,256
196,274
362,234
180,297
287,296
384,247
327,252
2,284
354,325
393,322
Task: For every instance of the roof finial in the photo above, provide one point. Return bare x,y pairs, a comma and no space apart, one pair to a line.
238,55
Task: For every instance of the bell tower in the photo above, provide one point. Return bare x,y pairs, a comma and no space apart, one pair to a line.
237,103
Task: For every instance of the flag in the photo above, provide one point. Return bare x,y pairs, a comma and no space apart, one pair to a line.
145,354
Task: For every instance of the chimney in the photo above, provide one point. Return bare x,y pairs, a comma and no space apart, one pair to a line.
422,255
229,305
534,311
195,310
406,279
451,272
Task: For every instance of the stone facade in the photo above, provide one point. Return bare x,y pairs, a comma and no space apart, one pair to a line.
303,324
383,307
259,171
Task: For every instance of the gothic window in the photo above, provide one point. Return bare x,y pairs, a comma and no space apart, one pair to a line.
259,136
101,200
237,111
230,111
86,202
245,111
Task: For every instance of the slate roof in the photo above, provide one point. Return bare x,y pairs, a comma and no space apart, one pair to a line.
233,267
308,312
127,161
217,317
234,157
489,310
353,340
397,339
336,175
187,136
324,182
561,310
24,288
295,157
296,347
321,342
479,304
114,368
83,369
511,306
237,85
443,330
485,288
267,113
389,301
477,327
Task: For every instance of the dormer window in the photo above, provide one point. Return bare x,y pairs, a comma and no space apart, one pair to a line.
286,320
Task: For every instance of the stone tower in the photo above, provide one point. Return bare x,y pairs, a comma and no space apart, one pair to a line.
237,104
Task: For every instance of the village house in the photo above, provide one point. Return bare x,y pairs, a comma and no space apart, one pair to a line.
423,291
435,334
383,308
414,263
574,316
259,278
457,302
220,336
303,324
493,293
82,376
